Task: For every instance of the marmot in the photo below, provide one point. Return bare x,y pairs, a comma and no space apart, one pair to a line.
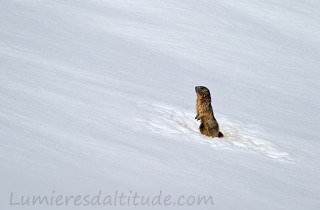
209,125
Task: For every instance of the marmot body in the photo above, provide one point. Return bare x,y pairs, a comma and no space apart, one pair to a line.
209,125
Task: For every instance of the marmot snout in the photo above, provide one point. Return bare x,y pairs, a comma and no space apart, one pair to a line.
209,125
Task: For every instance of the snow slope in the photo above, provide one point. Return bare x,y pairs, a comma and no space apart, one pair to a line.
99,95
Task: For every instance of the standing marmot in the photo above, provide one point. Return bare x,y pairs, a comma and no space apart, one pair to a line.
209,125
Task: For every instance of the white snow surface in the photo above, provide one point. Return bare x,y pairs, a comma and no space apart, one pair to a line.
99,95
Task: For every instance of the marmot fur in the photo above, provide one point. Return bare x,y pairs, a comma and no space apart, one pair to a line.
209,125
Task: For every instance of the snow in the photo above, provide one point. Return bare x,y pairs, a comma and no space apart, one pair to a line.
99,95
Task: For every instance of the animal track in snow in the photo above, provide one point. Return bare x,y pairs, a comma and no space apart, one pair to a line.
169,121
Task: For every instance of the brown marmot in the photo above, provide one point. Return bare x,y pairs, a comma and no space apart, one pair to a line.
209,125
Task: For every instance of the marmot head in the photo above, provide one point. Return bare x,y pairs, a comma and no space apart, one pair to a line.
203,92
